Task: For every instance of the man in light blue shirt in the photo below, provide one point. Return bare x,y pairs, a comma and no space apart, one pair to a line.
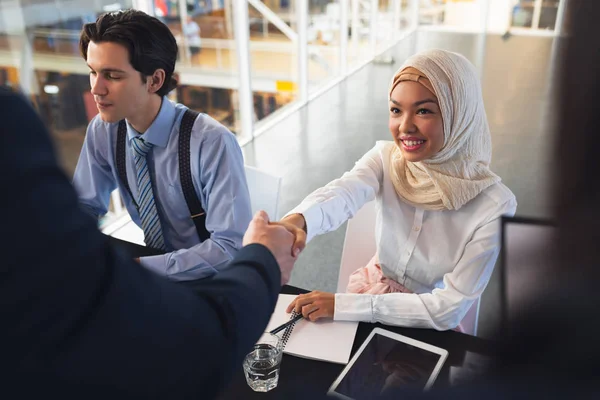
132,58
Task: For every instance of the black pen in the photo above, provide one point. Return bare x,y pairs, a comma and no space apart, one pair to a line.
283,326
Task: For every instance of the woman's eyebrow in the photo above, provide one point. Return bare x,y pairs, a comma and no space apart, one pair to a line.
418,103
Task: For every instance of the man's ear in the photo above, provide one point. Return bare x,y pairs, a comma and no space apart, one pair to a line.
156,80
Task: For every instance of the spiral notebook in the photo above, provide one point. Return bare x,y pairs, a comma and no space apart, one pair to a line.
324,340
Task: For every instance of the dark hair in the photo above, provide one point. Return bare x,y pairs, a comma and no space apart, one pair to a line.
150,43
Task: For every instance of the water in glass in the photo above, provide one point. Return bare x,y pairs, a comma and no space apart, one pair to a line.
261,367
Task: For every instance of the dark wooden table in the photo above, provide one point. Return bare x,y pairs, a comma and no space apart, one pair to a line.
301,378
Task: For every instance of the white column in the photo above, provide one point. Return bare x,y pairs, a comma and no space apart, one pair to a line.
484,15
397,16
302,27
183,20
343,37
27,78
182,11
265,27
228,19
241,30
355,25
415,8
482,38
373,26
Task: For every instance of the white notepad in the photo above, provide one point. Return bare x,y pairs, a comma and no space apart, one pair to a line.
324,340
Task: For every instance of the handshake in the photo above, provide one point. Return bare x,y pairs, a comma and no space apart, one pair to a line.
285,239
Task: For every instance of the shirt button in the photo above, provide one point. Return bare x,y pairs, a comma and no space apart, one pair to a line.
417,228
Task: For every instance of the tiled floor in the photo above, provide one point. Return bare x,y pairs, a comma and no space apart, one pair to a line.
323,140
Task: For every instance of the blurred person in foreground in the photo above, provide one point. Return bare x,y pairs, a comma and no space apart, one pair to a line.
82,320
553,347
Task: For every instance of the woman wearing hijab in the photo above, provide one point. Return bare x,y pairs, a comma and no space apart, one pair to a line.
438,204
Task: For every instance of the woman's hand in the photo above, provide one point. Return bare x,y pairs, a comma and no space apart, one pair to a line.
296,225
314,305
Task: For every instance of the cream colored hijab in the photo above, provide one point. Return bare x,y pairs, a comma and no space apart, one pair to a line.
460,171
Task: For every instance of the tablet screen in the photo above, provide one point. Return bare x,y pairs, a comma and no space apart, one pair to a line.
387,365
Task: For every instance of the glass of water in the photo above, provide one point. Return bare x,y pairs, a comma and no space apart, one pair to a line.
261,365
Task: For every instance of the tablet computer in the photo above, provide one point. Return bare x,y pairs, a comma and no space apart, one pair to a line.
388,362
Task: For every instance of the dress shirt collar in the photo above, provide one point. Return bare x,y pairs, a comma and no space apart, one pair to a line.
158,133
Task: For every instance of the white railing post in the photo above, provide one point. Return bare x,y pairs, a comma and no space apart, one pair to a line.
302,27
227,10
482,38
241,30
183,21
343,37
373,26
415,8
218,50
397,16
355,26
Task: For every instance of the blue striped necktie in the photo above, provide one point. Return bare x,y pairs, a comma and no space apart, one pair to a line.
153,236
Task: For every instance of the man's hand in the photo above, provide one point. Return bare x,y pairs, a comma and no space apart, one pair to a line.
276,238
314,305
296,225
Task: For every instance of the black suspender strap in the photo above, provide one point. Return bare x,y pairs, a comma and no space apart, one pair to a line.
121,163
185,175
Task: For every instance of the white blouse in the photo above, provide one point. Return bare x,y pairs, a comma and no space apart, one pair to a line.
445,257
